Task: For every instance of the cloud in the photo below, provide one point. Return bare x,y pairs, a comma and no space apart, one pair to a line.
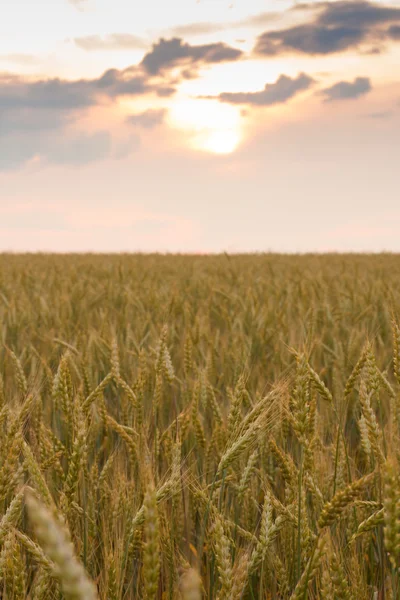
114,83
63,147
20,59
309,39
72,148
27,120
46,94
205,27
114,41
357,14
80,149
380,115
394,32
257,20
23,101
165,91
167,54
347,90
202,28
336,27
16,150
35,116
125,147
48,103
147,119
273,93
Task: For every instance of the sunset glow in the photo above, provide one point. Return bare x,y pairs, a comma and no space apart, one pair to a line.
210,126
283,117
219,141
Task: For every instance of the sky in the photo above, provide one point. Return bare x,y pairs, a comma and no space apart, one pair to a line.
199,126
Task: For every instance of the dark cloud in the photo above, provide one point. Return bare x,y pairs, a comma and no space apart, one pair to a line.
62,147
347,90
165,91
394,32
19,94
16,150
24,103
50,94
126,147
29,106
73,149
80,149
69,148
309,39
147,119
375,50
36,115
336,27
167,54
114,41
116,83
380,115
357,14
273,93
29,121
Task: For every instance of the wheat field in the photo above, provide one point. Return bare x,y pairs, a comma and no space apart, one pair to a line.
199,427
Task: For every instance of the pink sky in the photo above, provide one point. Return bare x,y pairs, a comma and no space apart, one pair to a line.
199,126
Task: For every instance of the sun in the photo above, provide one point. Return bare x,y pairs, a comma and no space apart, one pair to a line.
209,125
218,141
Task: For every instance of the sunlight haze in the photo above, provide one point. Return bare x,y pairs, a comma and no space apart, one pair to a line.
199,125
